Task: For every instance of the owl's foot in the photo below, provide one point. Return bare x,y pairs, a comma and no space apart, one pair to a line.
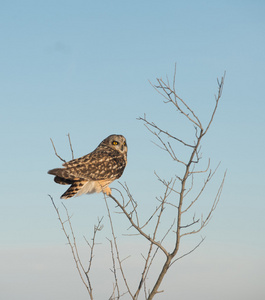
107,190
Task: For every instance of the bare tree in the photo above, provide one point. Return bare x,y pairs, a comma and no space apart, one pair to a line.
176,196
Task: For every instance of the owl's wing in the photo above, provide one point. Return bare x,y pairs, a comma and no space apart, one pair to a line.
77,161
97,165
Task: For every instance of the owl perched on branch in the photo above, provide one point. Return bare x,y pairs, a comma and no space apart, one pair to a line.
93,172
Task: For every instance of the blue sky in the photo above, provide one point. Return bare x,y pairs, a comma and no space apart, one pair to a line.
82,67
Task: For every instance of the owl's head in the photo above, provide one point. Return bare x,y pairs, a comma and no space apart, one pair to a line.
117,142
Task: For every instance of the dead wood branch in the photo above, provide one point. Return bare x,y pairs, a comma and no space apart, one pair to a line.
163,228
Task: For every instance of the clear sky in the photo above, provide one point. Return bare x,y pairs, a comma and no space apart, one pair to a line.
82,67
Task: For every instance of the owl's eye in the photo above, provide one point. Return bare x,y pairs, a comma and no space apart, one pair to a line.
115,143
124,144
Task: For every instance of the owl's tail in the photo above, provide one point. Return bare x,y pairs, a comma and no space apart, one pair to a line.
73,189
62,176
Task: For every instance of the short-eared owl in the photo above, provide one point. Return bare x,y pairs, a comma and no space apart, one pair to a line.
93,172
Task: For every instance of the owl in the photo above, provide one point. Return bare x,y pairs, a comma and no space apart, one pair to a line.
93,172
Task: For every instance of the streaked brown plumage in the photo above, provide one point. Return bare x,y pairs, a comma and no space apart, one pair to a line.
95,171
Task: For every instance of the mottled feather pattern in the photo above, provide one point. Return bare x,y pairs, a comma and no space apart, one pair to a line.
96,170
74,188
98,165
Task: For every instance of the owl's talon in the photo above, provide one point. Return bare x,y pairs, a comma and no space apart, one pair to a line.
107,191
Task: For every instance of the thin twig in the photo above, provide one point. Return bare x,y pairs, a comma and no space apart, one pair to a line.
217,98
116,248
129,217
162,131
56,152
189,252
97,228
116,285
73,247
71,148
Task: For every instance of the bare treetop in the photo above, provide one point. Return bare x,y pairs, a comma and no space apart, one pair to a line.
178,198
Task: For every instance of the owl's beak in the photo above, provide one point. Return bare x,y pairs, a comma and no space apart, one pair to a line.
122,148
